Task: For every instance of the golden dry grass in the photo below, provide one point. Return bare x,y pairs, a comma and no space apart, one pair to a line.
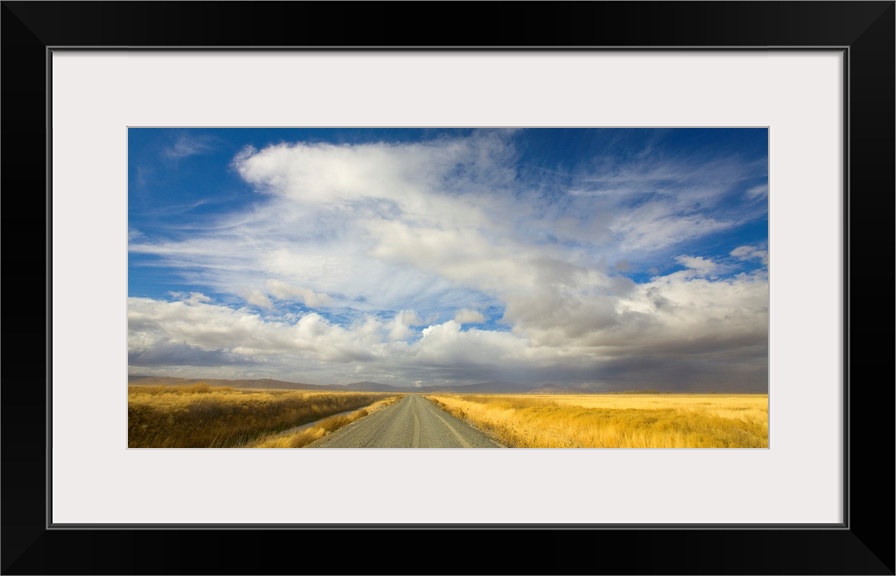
319,429
202,416
616,420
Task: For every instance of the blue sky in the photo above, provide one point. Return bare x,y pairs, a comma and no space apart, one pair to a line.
612,258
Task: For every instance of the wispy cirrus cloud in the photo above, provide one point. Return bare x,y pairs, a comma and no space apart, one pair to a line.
186,145
750,253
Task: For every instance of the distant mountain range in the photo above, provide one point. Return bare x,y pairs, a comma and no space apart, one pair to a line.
259,384
494,387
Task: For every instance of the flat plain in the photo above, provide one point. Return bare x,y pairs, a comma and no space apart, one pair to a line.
649,420
198,415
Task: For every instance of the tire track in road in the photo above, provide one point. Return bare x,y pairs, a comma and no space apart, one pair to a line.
460,438
416,442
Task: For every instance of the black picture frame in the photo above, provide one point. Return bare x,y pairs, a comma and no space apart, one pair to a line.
864,544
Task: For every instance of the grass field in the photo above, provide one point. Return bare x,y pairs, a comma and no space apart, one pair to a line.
616,420
203,416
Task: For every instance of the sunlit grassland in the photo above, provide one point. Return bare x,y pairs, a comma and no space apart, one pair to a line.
616,420
308,434
202,416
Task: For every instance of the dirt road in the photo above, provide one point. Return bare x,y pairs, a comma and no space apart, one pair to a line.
414,422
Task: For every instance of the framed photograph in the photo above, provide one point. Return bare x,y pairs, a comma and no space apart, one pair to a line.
449,287
768,122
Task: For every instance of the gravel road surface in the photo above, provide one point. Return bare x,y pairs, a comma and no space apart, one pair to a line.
413,422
